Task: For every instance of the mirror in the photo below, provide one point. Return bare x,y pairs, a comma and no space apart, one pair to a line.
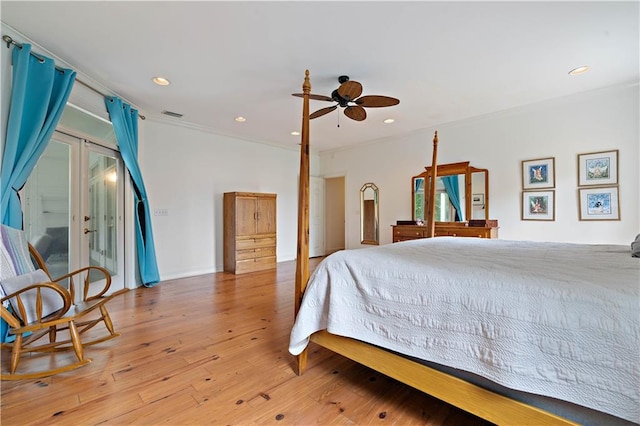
462,193
369,214
478,195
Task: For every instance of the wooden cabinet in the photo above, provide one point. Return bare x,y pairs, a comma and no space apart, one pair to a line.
443,229
249,232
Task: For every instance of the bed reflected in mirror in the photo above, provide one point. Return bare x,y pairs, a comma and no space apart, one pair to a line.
369,233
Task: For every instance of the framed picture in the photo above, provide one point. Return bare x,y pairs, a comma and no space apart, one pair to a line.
598,168
538,205
599,203
478,199
539,173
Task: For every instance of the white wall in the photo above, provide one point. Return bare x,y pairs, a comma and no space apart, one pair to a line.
596,121
187,171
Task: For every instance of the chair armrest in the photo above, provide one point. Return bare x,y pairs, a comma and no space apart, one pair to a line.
29,304
86,290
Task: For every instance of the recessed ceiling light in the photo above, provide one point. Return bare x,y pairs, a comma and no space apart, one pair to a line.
240,119
579,70
161,81
294,133
388,121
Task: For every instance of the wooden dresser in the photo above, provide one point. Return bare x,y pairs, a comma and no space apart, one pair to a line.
249,232
443,229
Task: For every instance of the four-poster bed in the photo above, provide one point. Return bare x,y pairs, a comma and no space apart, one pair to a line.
457,389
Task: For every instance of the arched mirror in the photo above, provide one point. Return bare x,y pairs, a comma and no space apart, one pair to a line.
369,233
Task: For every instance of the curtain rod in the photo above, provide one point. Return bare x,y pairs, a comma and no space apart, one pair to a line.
10,41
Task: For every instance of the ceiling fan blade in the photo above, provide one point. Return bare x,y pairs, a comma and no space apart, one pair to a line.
374,101
312,96
355,112
322,111
350,90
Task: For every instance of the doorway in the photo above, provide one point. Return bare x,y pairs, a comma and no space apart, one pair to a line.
334,213
73,208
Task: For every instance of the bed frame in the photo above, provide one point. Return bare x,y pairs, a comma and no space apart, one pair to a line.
460,393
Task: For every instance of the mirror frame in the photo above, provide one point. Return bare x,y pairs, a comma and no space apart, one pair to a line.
461,168
363,221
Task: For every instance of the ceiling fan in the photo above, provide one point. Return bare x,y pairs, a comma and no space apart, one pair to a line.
347,97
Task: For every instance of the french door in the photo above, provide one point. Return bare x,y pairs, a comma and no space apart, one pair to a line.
73,203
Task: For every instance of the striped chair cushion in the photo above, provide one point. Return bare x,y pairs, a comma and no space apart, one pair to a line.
14,254
14,260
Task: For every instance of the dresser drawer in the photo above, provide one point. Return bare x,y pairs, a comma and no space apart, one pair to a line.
408,232
252,243
471,231
397,239
479,233
255,253
258,264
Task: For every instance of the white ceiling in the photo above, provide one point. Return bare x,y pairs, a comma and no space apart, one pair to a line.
445,61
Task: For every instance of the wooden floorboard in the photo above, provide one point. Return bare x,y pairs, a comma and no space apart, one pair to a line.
212,349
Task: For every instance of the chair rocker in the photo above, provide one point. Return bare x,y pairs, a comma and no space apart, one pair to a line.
30,334
92,301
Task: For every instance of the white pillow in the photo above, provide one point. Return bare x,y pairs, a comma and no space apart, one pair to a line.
51,301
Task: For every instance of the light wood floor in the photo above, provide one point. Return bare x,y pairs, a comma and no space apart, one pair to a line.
212,349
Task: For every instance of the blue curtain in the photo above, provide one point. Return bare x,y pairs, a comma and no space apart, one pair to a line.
125,127
453,191
38,96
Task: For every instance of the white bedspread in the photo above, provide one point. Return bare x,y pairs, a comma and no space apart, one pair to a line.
560,320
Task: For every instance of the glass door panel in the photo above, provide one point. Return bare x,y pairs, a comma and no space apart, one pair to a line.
102,232
102,226
47,206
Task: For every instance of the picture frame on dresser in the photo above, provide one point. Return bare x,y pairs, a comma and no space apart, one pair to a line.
538,205
598,168
539,173
599,203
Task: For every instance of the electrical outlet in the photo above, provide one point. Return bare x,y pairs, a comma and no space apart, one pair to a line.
160,212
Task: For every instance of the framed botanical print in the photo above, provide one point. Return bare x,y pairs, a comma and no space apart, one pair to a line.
538,205
601,203
539,173
598,168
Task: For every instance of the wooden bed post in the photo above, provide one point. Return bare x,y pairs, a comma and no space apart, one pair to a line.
302,259
431,214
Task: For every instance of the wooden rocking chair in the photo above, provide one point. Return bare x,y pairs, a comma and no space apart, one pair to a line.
30,333
92,300
42,306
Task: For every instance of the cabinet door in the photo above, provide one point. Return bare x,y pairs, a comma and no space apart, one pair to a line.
266,222
246,216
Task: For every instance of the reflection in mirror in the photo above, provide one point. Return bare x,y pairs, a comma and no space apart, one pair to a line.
418,198
462,193
450,198
478,197
369,214
450,201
